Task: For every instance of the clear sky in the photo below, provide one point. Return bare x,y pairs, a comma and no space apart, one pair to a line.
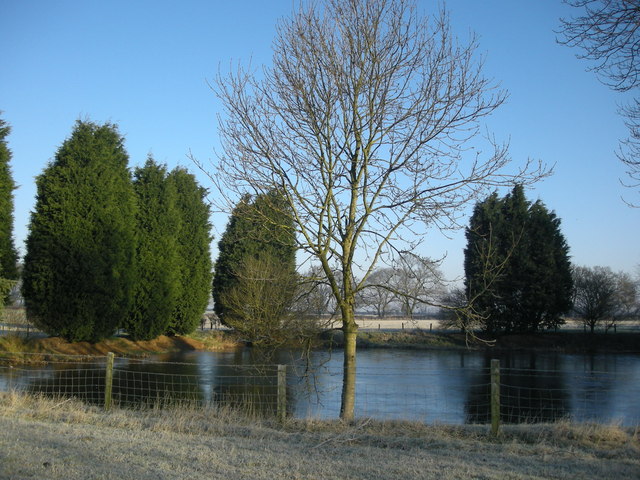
146,64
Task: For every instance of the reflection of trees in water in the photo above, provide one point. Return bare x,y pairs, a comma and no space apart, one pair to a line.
252,388
135,383
85,381
532,389
249,381
451,387
157,383
594,392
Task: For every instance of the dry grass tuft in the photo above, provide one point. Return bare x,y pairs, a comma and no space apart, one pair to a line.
216,340
13,344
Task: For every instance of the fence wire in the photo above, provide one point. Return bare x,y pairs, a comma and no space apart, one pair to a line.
446,395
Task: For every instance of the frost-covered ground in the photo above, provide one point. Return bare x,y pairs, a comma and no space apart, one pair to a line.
64,439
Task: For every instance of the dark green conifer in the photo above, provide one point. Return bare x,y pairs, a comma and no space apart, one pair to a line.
259,237
233,247
517,268
78,269
157,263
193,248
8,253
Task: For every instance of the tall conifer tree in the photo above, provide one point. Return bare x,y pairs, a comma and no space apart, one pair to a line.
517,268
234,245
157,262
78,274
259,236
8,254
193,239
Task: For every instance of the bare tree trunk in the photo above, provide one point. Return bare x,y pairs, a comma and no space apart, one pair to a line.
350,330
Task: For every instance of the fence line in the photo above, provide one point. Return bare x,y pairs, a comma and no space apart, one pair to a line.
449,395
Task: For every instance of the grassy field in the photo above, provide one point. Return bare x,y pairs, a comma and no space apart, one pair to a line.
64,439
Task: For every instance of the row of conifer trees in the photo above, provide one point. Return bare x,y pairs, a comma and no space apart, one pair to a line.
108,250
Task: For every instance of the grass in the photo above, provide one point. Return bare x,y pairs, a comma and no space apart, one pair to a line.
216,340
63,438
410,339
569,342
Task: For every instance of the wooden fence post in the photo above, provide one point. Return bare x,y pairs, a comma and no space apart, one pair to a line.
495,397
108,381
282,393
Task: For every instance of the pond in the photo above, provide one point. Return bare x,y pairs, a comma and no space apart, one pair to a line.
435,386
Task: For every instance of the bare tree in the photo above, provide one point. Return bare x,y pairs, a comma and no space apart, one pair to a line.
595,293
377,291
363,120
314,297
256,306
608,34
627,298
417,281
452,311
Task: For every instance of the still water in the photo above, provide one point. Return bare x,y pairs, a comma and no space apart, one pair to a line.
439,386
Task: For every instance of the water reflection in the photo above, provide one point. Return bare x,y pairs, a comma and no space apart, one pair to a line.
532,389
450,387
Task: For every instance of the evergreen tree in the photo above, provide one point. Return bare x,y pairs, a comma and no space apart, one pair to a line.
259,236
193,250
235,244
157,263
550,288
518,274
484,258
78,269
8,254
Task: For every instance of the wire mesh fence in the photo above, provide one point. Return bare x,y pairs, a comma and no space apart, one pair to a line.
447,395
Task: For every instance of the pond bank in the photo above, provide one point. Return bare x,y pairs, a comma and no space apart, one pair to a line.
566,342
122,346
223,340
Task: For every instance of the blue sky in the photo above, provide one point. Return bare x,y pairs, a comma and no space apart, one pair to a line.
145,65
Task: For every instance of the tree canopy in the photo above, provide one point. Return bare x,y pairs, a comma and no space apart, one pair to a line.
517,267
193,239
8,253
157,272
607,33
78,275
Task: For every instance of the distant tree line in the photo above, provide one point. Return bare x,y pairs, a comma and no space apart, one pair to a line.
108,251
409,283
603,298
